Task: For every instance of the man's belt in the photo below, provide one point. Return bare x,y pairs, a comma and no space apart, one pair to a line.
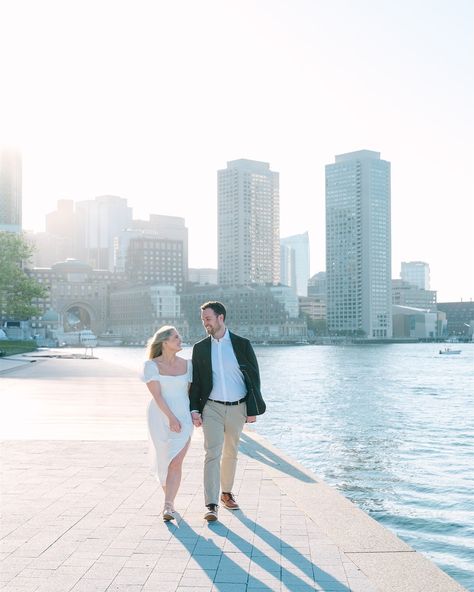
229,402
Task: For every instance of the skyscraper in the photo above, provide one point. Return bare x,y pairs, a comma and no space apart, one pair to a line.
358,245
10,190
287,266
248,224
416,273
98,223
298,278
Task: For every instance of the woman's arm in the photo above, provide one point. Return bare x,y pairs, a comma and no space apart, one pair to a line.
155,389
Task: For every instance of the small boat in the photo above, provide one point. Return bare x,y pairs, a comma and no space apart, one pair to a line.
84,337
109,341
447,351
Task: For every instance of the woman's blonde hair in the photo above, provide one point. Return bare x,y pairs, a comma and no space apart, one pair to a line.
155,344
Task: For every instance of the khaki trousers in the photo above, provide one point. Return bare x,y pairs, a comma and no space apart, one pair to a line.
222,426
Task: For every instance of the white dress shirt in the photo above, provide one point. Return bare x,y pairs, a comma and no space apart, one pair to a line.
228,382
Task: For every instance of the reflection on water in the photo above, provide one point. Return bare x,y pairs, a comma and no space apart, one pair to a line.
391,426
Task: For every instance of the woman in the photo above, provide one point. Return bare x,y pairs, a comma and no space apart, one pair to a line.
170,426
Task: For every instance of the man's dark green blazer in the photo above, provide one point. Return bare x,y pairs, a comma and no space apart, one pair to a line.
201,385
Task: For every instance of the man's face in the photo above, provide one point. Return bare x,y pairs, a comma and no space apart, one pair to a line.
212,322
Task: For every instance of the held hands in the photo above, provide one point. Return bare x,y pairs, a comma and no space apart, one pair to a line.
175,425
197,420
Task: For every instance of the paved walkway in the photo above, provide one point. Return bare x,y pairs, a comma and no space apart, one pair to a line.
81,513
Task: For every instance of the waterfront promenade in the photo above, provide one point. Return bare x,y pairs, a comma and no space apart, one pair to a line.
80,512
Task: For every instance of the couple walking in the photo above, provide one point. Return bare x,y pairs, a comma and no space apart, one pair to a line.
219,389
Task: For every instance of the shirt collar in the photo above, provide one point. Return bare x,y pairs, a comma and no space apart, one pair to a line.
225,337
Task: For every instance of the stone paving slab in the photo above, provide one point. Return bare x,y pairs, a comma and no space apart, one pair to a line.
84,515
81,513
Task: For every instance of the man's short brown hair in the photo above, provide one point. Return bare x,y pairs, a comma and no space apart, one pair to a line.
216,306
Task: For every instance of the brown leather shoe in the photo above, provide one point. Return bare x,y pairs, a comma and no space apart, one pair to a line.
211,514
229,501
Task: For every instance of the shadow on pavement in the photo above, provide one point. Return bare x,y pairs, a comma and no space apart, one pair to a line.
222,571
255,450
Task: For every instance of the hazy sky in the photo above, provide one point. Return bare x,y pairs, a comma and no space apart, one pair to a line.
148,99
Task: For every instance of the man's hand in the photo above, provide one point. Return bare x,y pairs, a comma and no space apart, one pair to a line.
197,419
251,418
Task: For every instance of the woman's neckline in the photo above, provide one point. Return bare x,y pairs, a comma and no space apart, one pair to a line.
155,361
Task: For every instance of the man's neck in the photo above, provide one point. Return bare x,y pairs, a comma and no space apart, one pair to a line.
220,334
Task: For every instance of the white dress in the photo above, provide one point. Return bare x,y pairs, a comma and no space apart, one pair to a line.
165,444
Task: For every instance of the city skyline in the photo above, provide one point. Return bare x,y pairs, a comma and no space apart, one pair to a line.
395,273
163,95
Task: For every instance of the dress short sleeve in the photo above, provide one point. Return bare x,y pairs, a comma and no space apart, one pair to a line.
190,371
150,371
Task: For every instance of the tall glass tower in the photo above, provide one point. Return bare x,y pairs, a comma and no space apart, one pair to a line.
10,190
248,220
358,245
416,273
297,278
98,223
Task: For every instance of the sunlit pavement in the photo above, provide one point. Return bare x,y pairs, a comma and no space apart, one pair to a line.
81,513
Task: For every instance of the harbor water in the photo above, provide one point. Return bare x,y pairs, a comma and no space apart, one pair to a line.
390,426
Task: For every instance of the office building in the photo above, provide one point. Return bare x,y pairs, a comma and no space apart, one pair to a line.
248,224
416,273
264,314
202,276
286,296
317,286
295,262
314,308
58,242
48,249
358,246
150,259
98,223
137,311
60,222
167,227
408,294
418,323
287,266
460,317
10,190
76,292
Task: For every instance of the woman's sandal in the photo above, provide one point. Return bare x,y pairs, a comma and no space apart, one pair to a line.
168,514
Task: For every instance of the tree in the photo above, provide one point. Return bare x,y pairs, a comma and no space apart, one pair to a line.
17,288
316,326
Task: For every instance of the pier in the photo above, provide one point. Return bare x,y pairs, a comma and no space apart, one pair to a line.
82,514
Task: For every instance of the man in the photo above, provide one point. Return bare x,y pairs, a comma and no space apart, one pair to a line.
224,394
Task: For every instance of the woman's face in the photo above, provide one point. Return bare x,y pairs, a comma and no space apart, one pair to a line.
173,343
